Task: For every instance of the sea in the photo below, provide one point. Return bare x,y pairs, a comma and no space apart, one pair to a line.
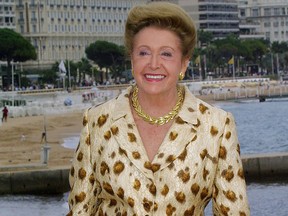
262,128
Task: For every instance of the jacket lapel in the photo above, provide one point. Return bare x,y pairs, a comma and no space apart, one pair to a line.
128,137
182,132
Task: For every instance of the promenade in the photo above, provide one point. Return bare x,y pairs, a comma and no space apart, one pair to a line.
44,179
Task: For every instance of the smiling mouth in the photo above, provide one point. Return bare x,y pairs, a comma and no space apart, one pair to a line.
157,77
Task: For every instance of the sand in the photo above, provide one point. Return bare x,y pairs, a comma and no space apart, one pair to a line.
20,139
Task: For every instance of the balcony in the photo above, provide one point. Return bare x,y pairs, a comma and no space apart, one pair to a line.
34,19
252,36
32,6
20,7
21,20
7,25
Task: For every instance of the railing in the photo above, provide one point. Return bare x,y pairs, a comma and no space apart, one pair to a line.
261,92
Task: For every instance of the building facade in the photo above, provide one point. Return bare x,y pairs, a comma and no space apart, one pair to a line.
7,14
220,17
62,29
249,29
270,17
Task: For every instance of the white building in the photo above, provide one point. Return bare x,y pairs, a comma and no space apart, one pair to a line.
62,29
249,29
270,18
7,14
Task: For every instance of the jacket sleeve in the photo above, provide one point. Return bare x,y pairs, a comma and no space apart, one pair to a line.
83,195
229,189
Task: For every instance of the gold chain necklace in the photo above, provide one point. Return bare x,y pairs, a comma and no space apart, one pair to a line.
160,120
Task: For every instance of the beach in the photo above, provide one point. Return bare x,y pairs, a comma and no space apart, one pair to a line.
21,140
21,143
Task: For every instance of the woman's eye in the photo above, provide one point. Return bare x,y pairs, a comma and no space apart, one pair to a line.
143,53
166,54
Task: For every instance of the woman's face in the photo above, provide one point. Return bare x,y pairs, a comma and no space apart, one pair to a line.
157,60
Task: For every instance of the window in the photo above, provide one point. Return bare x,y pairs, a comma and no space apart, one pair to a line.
276,11
267,11
35,43
255,12
276,34
21,28
21,15
267,24
34,29
242,13
33,15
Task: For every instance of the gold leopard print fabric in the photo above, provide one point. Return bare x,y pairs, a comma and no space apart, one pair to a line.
198,161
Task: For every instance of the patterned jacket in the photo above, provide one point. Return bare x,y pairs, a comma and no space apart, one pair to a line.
198,161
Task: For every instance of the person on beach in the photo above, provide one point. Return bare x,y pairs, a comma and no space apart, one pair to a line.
156,149
5,114
43,136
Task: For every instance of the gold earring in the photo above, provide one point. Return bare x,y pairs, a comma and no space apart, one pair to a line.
132,71
181,76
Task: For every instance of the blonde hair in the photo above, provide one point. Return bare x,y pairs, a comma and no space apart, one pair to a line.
163,15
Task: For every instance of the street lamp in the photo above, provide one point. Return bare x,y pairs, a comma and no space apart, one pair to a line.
12,74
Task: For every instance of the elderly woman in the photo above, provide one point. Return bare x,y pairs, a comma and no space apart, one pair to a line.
156,149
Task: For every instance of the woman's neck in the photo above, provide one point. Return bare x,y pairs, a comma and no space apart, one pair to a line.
157,105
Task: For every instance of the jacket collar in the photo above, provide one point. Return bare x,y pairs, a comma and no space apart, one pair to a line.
122,106
185,132
188,111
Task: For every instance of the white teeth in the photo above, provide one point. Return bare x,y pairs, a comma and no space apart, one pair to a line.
155,76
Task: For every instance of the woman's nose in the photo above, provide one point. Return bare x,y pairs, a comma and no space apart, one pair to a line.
155,61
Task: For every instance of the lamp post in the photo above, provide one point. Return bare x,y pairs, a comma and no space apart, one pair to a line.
12,74
272,63
45,148
69,75
277,65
